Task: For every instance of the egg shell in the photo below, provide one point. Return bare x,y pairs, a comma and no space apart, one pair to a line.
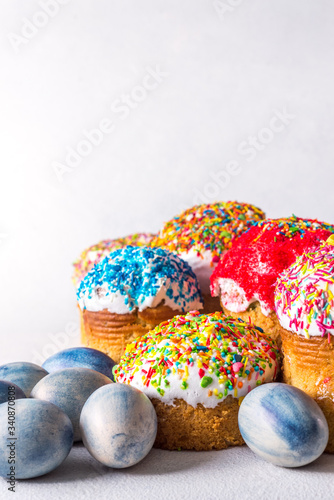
283,425
83,357
25,375
118,425
69,389
10,391
44,438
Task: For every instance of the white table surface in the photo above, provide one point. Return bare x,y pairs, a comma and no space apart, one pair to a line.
233,474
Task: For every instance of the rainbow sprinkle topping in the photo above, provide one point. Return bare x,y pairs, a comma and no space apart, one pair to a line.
291,226
304,293
212,227
260,255
97,252
200,358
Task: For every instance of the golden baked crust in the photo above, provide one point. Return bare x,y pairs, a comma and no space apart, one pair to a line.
110,332
183,426
309,365
269,324
326,404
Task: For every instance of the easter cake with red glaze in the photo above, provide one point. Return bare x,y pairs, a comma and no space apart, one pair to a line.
244,279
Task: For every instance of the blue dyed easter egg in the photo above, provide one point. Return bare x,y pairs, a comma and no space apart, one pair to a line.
44,438
283,425
83,357
25,375
69,389
10,391
118,425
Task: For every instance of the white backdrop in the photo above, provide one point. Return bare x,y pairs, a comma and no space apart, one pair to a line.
194,101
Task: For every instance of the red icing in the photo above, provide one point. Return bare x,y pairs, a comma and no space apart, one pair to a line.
256,259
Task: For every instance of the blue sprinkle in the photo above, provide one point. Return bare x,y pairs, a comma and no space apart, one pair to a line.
138,273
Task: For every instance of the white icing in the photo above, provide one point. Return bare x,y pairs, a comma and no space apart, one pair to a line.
298,308
115,302
194,394
233,296
96,255
201,265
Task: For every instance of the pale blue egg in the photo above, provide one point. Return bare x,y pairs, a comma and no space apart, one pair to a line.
283,425
10,392
69,389
83,357
41,440
25,375
118,425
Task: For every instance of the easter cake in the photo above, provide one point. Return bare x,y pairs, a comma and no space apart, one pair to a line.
131,291
245,277
203,233
196,369
304,298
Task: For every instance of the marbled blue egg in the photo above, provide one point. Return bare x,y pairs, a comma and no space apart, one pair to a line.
83,357
42,439
118,425
283,425
10,391
25,375
69,389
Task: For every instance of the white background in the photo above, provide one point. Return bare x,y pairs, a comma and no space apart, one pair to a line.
229,71
227,74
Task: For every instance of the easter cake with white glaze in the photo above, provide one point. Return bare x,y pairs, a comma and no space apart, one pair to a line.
131,291
202,234
196,369
304,298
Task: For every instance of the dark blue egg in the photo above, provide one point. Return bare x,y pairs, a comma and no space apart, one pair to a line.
83,357
283,425
10,392
69,389
118,425
25,375
41,440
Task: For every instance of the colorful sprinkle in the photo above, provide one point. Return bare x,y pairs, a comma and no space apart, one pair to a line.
212,227
206,381
97,252
304,293
175,342
260,255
